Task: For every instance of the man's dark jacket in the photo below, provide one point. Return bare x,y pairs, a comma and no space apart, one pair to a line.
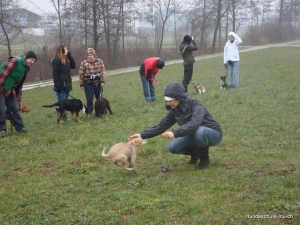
190,115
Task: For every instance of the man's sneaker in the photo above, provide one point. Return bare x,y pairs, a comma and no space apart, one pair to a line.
23,130
3,133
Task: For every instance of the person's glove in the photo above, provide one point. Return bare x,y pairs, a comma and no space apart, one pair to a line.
69,55
57,89
225,65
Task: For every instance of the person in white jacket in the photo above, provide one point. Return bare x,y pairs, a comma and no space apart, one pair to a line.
232,58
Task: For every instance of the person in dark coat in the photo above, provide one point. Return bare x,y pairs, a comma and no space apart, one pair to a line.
197,128
186,50
62,63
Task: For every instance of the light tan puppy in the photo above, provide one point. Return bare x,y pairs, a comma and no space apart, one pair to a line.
122,152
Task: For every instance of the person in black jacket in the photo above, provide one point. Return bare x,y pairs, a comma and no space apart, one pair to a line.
186,49
62,63
197,128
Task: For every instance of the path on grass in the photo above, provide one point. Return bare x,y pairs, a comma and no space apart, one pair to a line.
171,62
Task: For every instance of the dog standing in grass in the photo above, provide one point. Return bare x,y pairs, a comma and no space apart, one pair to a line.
122,153
101,107
72,105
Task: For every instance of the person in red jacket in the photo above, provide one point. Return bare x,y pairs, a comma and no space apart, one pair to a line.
148,71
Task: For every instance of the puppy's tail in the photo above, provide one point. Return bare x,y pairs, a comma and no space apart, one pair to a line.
103,153
49,106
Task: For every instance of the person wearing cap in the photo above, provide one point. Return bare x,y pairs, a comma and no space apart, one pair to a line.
232,58
186,50
197,130
62,63
148,71
12,76
91,77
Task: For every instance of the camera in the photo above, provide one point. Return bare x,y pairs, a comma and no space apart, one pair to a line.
229,62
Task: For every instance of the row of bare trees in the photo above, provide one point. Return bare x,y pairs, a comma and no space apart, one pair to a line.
124,32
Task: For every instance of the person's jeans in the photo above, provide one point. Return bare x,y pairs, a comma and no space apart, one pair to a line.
188,73
146,83
203,137
91,90
63,95
13,110
234,73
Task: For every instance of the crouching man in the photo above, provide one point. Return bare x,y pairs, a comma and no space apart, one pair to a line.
198,129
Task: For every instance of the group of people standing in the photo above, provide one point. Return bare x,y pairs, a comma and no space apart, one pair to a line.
91,75
197,130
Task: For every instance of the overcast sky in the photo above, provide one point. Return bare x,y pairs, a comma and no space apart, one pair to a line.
38,6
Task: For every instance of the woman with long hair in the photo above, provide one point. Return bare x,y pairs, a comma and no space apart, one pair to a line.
62,63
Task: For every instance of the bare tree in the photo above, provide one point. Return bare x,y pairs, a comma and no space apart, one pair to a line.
161,11
59,6
8,9
220,13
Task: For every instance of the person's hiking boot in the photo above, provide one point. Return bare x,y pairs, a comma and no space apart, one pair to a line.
204,158
194,157
3,133
23,130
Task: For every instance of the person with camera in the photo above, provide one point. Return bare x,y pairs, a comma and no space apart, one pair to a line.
91,77
186,49
62,63
232,58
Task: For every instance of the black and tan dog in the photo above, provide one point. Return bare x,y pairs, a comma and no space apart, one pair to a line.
101,107
72,105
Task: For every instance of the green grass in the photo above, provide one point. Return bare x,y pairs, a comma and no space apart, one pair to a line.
56,175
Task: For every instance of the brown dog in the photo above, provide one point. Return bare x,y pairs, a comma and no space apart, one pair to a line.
23,109
123,152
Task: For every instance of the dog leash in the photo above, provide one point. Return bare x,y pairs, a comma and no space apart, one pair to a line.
163,86
131,146
72,96
101,92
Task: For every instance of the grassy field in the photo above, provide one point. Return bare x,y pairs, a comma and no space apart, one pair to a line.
56,175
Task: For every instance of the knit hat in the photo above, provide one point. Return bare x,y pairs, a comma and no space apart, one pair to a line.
168,99
31,55
160,64
187,39
90,51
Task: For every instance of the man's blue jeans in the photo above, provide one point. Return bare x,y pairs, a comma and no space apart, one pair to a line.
13,110
234,73
63,95
91,90
146,83
203,137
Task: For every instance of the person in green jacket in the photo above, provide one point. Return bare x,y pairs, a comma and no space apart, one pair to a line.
13,72
186,50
